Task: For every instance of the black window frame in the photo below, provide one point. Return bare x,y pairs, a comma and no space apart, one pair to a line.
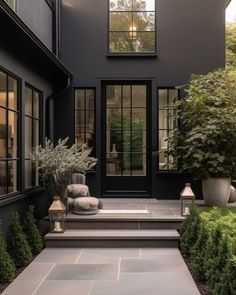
164,171
131,53
18,141
40,121
86,109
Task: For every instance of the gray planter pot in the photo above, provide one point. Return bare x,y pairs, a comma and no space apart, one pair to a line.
216,191
232,195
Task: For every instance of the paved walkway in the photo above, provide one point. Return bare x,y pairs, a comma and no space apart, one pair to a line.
105,272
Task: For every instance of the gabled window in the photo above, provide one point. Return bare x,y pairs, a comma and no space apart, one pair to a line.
132,26
166,124
9,131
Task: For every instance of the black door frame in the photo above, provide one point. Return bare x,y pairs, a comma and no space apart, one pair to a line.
134,179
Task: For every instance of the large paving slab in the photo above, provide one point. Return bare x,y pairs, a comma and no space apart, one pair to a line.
105,271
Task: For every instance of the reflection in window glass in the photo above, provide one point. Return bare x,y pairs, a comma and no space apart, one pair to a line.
126,130
132,26
12,4
85,117
166,124
8,133
32,134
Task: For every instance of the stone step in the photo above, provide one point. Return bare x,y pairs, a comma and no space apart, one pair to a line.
124,222
113,238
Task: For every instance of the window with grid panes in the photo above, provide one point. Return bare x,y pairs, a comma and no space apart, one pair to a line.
166,124
9,128
132,26
32,134
85,117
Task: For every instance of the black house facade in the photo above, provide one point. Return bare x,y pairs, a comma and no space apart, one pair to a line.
100,72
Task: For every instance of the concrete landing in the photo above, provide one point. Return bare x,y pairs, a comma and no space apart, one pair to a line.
105,271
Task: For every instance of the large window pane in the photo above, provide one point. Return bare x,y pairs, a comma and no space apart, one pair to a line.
3,177
120,42
28,174
144,5
12,176
3,89
12,134
144,21
12,93
28,137
28,101
36,104
145,42
120,5
3,133
113,95
120,21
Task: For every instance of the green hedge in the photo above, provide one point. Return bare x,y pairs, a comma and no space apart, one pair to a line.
208,238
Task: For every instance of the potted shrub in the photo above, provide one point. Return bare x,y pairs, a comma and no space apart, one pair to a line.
57,163
205,143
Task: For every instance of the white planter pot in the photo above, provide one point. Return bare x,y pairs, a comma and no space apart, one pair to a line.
216,191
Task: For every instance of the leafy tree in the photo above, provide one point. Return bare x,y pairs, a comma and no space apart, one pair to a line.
31,230
18,246
231,45
205,144
7,267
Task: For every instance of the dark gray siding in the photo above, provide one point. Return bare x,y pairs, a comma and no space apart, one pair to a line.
190,39
38,15
29,74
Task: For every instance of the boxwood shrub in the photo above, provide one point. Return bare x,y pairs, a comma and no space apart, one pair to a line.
208,238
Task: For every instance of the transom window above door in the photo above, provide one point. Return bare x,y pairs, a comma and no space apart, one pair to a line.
132,26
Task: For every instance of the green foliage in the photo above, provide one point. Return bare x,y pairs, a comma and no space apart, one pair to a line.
31,230
219,264
57,163
231,45
7,267
205,145
18,246
189,236
212,256
198,252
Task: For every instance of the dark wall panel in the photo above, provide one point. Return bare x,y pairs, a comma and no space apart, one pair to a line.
37,14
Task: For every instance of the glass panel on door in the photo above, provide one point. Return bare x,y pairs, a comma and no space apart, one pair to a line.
126,136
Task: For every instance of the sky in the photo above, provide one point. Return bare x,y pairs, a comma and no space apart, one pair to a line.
231,11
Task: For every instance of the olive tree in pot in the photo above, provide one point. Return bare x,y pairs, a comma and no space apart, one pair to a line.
57,163
204,145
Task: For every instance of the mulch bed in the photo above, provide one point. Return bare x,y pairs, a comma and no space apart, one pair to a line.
202,287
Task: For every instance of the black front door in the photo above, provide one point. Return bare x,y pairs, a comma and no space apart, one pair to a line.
126,150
